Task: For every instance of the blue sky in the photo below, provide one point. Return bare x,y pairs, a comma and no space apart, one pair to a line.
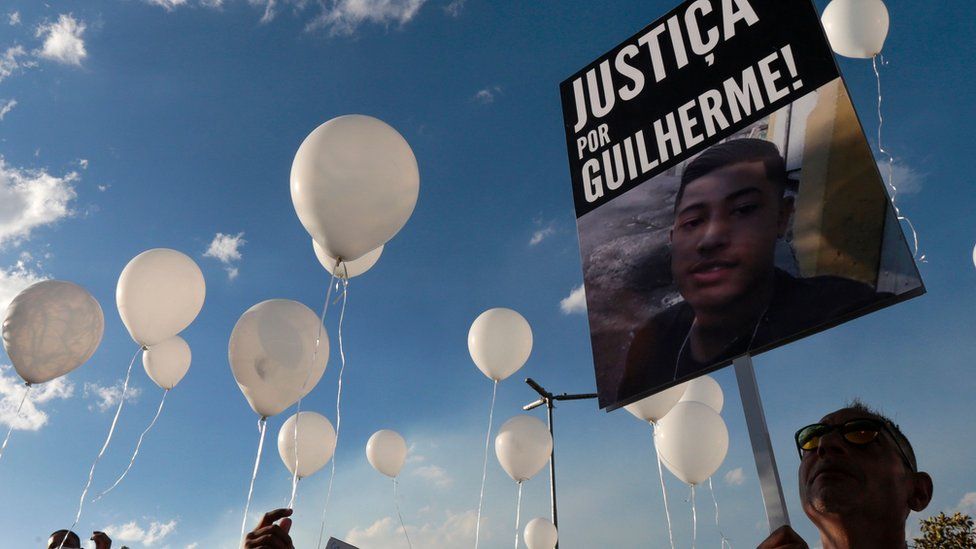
134,124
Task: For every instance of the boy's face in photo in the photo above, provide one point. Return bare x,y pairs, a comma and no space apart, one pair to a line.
724,236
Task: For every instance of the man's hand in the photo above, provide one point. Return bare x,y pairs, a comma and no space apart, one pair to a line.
102,541
784,538
269,535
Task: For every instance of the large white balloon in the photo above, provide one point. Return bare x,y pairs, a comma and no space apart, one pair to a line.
167,362
386,451
159,294
354,184
540,533
856,28
706,390
500,341
270,353
316,442
656,406
693,441
347,269
523,446
51,328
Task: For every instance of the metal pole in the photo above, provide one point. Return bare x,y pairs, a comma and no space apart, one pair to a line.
552,471
548,399
762,447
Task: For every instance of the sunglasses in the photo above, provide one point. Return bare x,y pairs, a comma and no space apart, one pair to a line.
858,432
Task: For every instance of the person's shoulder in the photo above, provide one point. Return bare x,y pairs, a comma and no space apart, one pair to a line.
819,298
655,343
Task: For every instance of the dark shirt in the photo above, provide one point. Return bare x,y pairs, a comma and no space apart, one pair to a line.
659,353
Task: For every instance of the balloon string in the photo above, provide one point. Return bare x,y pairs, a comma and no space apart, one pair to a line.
891,164
694,519
725,540
138,445
262,427
111,430
518,513
6,439
342,369
484,467
294,478
396,503
664,491
315,354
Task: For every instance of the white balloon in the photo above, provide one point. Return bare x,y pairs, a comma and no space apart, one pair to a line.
540,533
386,451
316,442
347,269
523,446
51,328
167,362
693,441
856,28
270,353
159,294
354,184
706,390
656,406
500,341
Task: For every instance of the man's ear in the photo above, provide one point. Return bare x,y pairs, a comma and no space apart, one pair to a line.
922,491
786,207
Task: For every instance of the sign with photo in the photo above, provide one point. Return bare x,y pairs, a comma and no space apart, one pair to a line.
727,200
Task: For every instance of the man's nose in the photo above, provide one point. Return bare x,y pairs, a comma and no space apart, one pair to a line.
832,443
714,237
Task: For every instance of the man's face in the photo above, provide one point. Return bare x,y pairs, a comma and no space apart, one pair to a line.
723,241
840,478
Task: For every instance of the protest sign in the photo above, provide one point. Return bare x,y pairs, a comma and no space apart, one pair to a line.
727,200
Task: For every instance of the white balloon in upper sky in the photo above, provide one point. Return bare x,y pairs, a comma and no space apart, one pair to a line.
386,451
167,362
856,28
500,341
706,390
523,445
347,269
270,353
316,443
656,406
354,184
540,533
160,292
50,328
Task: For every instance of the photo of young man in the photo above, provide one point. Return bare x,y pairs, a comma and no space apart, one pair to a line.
730,210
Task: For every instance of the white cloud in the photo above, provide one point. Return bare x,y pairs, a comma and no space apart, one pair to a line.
454,8
487,95
131,532
14,280
906,180
7,107
62,40
226,248
107,398
455,532
434,474
967,504
575,302
10,62
542,234
30,199
193,545
30,417
13,18
83,163
735,477
168,5
345,16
